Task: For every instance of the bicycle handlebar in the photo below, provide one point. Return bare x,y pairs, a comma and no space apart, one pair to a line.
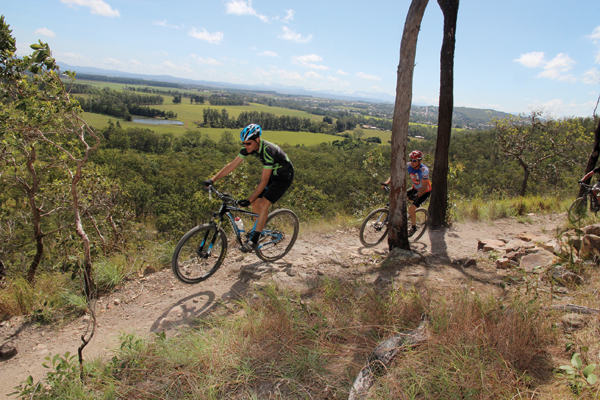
223,196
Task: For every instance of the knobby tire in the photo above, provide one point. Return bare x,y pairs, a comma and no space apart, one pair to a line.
375,227
278,235
199,254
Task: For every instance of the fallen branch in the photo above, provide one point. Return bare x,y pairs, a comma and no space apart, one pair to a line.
383,354
576,309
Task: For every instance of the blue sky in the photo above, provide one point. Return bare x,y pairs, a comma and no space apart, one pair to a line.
511,56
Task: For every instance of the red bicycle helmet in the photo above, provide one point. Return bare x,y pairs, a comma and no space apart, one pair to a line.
416,155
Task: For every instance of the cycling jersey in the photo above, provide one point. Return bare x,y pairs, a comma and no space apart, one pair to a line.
272,157
419,176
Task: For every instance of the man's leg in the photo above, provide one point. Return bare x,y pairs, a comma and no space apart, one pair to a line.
260,207
413,215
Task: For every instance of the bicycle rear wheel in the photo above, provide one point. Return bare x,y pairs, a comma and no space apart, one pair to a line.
374,228
578,210
278,235
422,223
199,254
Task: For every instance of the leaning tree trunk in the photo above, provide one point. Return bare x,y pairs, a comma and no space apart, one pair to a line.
398,236
439,196
593,157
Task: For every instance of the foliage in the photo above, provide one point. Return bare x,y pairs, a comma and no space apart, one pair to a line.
579,374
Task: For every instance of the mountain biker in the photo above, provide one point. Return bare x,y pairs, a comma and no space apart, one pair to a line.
276,178
421,186
596,187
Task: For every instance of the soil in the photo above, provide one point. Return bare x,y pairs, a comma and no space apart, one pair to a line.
158,302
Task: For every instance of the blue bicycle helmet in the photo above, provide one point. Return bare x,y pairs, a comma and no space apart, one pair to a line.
250,132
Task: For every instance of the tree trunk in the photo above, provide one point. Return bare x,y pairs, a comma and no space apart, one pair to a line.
439,196
525,179
398,236
593,157
36,217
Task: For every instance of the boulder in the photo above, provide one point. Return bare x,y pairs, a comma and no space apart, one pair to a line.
564,276
526,237
503,263
573,321
592,230
541,259
400,257
590,245
8,350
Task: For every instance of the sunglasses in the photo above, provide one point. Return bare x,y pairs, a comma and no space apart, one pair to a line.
247,143
412,160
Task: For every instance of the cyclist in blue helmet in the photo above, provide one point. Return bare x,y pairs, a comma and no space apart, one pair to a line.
276,178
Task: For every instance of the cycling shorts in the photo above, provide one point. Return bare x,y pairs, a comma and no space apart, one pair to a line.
412,194
277,187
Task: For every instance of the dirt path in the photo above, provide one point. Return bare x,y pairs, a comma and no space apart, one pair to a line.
158,302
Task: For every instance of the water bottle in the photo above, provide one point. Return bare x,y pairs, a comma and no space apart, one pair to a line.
239,223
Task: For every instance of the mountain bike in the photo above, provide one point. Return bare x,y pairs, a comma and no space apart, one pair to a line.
376,227
579,209
201,251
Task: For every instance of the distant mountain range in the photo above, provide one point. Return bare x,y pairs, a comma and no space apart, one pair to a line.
283,89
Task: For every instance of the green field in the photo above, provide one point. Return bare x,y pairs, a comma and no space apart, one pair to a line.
279,137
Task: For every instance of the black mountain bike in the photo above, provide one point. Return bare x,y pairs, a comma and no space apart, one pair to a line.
579,209
201,251
376,227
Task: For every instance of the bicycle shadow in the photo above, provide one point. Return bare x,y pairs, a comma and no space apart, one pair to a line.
186,310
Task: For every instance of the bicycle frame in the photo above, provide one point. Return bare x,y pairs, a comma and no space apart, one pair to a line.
228,206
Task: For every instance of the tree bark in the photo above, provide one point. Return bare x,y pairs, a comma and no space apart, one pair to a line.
398,236
593,157
438,204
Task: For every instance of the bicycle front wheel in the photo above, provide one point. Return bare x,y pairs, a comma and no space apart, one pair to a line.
422,223
375,227
199,254
278,235
578,210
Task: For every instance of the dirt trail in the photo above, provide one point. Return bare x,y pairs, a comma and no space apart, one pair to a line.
158,302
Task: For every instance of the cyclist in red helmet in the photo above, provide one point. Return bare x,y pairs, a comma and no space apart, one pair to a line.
276,178
421,186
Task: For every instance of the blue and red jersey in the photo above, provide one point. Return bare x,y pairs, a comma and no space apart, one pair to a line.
419,176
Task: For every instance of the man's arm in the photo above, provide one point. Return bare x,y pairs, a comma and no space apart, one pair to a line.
226,170
264,180
423,188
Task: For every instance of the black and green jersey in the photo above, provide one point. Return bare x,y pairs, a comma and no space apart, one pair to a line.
272,157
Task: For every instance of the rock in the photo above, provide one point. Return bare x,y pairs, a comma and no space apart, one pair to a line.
592,230
562,276
8,350
550,245
116,302
490,245
541,259
502,263
399,257
149,270
590,245
573,321
516,244
526,237
471,262
291,272
516,255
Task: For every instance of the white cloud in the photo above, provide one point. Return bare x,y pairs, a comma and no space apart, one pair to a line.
73,59
591,76
289,34
337,81
98,7
595,36
268,53
203,34
362,75
531,60
203,60
242,7
167,25
312,74
289,16
342,72
45,32
309,61
557,67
